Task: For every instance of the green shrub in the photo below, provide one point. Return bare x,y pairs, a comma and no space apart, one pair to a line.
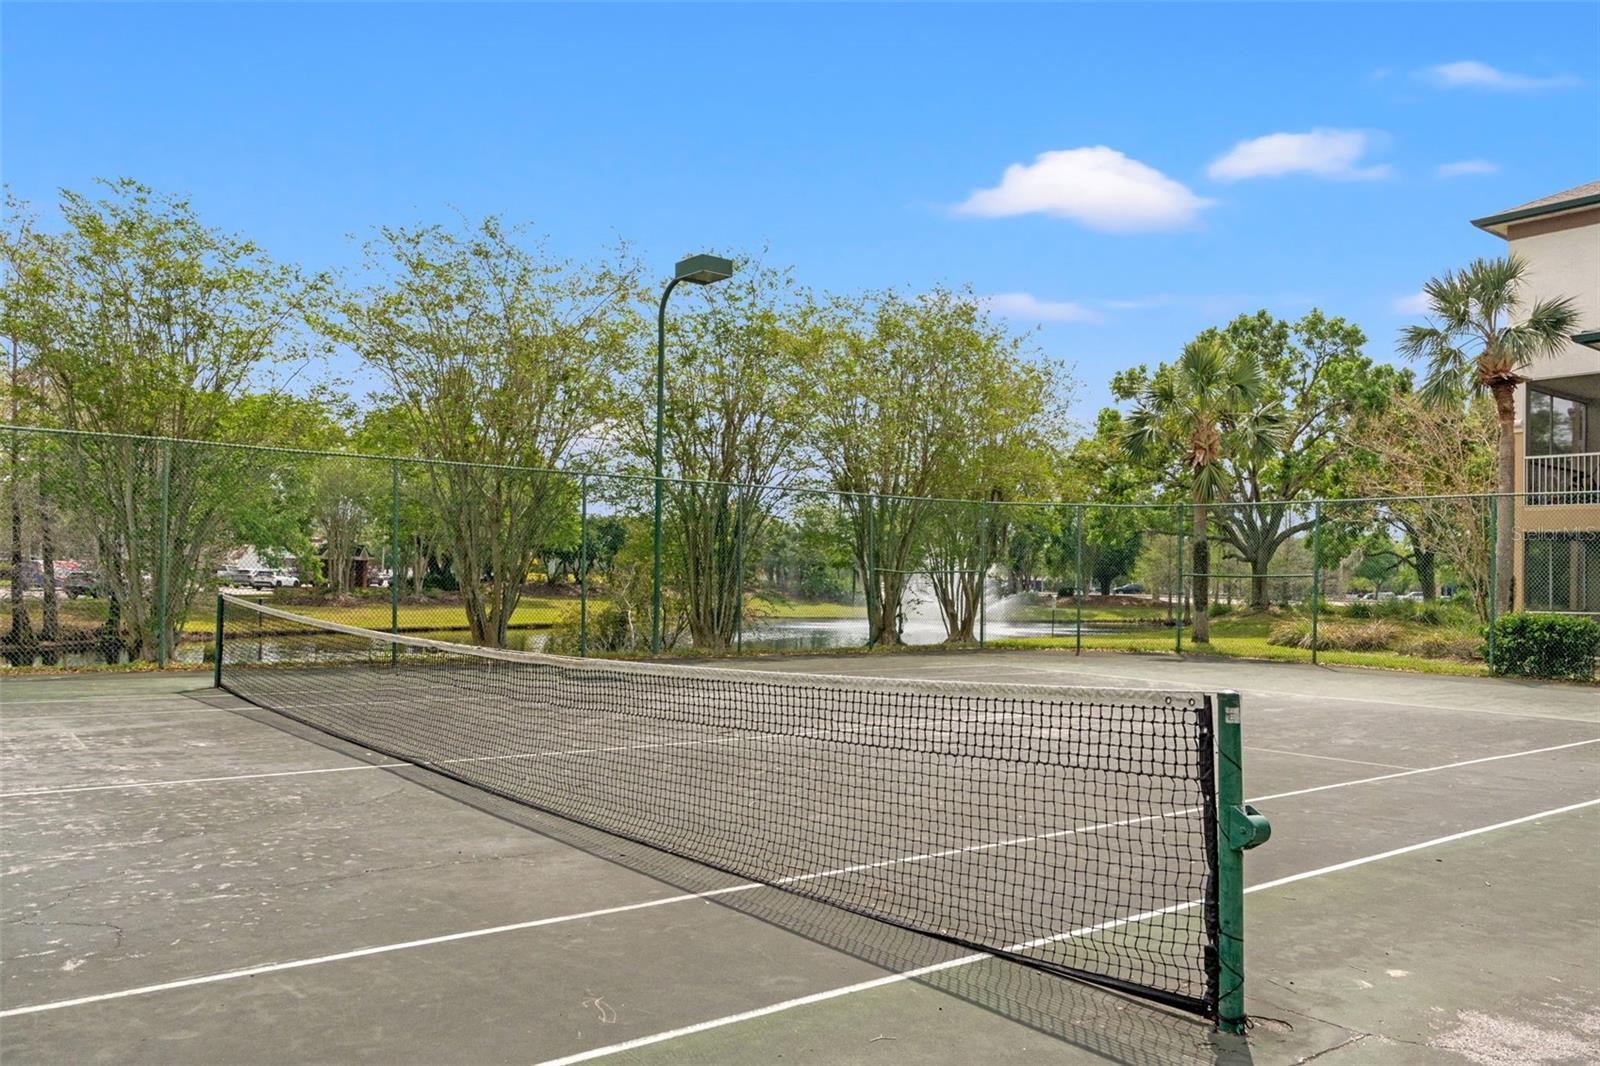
1217,610
1545,645
1358,610
1429,614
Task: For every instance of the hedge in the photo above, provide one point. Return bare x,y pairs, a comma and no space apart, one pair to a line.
1546,645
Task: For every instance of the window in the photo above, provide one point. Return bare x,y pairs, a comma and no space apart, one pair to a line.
1555,424
1561,572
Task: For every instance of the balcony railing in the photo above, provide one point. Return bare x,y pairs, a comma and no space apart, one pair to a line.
1563,479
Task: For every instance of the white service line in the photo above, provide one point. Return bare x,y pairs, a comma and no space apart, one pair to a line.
748,886
967,960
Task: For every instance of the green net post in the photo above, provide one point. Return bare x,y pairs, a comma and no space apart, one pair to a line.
1239,828
164,548
394,555
1077,591
1494,577
583,565
1316,574
216,648
1177,588
738,577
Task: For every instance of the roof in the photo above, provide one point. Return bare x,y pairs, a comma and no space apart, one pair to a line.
1588,340
1579,196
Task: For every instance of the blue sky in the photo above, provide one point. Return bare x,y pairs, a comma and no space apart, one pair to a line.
1118,176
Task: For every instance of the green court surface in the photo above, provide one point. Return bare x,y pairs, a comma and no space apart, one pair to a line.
188,878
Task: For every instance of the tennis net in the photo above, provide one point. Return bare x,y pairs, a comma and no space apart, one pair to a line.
1070,829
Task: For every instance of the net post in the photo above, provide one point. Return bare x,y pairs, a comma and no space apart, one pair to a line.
394,556
583,565
1177,589
161,567
216,647
1316,574
1078,591
1240,828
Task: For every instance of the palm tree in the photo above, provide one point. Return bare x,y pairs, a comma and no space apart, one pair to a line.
1472,343
1205,408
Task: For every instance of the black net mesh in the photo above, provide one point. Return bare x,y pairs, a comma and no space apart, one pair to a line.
1071,829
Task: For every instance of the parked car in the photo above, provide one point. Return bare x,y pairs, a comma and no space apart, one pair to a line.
81,582
1132,588
271,579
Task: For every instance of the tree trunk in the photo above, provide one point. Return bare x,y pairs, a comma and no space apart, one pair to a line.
1506,479
1201,583
1423,563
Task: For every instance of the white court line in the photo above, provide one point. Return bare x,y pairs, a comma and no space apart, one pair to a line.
198,780
967,960
741,887
1329,758
12,719
104,699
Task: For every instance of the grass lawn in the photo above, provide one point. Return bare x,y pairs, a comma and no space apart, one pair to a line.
760,606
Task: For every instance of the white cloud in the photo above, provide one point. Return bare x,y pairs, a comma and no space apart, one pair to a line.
1471,74
1323,152
1467,166
1098,187
1028,307
1414,304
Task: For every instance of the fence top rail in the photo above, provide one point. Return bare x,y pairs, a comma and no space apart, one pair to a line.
795,488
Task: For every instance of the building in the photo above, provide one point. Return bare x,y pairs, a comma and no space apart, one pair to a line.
1557,512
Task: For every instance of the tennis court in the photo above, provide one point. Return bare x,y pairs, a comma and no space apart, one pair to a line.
189,877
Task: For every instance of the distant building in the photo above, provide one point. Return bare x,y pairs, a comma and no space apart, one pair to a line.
1558,408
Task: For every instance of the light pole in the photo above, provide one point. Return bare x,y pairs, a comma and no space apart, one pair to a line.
697,270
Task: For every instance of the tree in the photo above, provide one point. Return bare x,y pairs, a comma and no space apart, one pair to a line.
1474,342
912,391
1205,408
1314,372
143,322
500,363
1432,463
739,386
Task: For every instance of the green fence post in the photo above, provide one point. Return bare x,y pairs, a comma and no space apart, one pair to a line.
869,560
983,570
161,569
1077,592
1177,595
1494,576
394,554
1316,574
583,566
216,647
738,578
1239,828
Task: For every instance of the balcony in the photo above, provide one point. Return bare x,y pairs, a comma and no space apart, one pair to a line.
1554,480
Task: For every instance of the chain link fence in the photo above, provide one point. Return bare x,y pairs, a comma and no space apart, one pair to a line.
117,545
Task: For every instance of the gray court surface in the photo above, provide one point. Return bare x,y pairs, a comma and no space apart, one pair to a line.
186,878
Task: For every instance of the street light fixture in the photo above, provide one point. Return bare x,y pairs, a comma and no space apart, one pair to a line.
697,270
